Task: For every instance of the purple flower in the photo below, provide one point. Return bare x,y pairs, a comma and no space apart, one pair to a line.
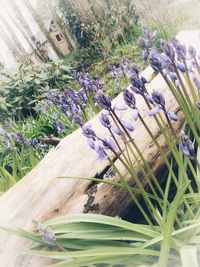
104,101
154,111
149,98
181,53
86,83
187,147
43,145
108,144
197,83
135,114
127,125
181,67
129,98
158,98
115,130
55,116
100,152
192,52
168,50
172,76
77,119
88,132
105,120
7,143
91,143
60,127
33,142
145,55
157,62
172,116
48,236
144,43
19,138
137,90
149,34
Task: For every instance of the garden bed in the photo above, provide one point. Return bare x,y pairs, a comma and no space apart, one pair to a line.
41,195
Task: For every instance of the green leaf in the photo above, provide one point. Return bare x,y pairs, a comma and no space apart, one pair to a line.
6,175
95,218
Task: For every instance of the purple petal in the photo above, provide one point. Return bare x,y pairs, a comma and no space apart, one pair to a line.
172,116
135,114
177,83
145,55
91,143
181,66
120,108
108,144
127,125
112,144
97,147
100,152
184,149
154,111
55,116
188,57
149,99
115,130
190,68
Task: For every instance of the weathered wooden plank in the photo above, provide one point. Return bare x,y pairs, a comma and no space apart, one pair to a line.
41,195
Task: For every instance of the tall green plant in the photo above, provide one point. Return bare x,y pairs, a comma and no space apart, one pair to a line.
171,228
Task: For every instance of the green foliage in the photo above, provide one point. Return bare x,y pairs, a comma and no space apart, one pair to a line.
17,160
22,90
90,239
97,28
170,233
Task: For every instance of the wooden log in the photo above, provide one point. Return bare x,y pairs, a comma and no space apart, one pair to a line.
40,195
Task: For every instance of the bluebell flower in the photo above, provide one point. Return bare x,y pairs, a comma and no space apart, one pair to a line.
60,127
48,236
158,98
181,66
88,132
172,116
104,119
154,111
104,101
156,61
99,150
168,50
129,98
127,125
187,146
108,144
116,130
192,52
91,142
197,83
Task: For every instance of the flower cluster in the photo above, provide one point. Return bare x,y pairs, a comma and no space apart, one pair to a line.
71,103
159,101
74,103
114,125
147,42
89,85
12,140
